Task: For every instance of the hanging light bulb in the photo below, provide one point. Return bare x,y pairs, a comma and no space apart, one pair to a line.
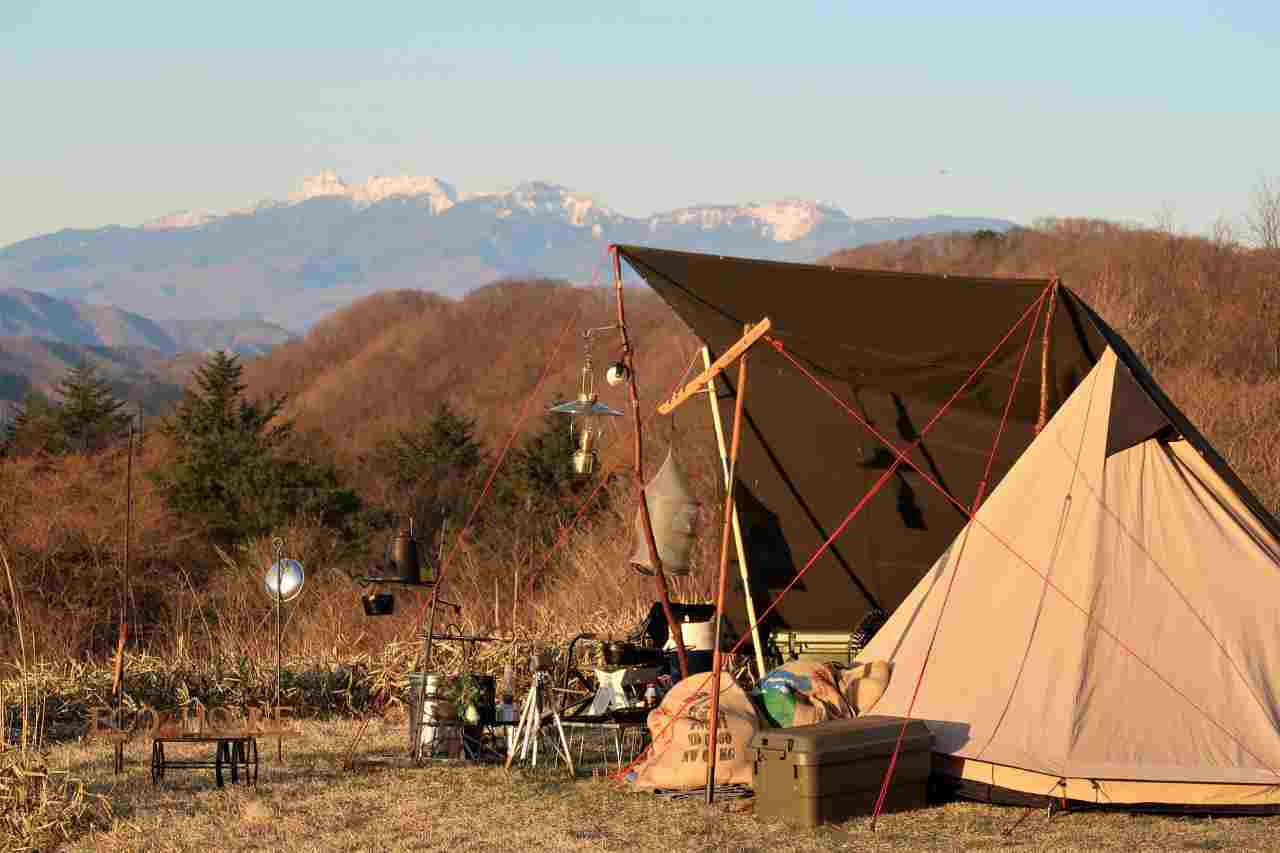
585,425
617,373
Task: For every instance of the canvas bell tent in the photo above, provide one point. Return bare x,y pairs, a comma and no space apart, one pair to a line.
1107,625
1105,629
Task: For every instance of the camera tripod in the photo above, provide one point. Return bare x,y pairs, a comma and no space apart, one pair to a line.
523,741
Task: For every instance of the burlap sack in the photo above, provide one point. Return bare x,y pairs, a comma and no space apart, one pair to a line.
864,683
679,755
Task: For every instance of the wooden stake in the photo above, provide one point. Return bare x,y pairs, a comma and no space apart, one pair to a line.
117,691
717,657
743,568
659,577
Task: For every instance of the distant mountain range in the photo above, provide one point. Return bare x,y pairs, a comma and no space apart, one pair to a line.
139,375
291,262
42,337
25,313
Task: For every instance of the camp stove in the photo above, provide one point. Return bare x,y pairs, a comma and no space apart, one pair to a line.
626,689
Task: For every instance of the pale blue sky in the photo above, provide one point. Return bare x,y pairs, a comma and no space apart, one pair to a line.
120,112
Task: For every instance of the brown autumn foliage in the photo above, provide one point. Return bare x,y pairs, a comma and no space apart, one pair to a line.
368,371
1205,313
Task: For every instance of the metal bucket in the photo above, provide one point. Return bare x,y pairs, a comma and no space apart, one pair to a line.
436,740
426,708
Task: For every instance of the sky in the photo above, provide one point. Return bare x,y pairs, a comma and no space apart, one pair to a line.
122,112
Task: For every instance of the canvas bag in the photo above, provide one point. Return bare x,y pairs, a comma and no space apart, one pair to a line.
679,755
674,515
864,683
801,693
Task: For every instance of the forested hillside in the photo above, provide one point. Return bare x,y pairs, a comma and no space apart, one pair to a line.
401,405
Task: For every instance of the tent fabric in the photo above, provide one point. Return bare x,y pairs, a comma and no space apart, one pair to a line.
895,346
1112,622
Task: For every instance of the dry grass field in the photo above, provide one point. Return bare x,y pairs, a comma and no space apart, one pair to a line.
310,803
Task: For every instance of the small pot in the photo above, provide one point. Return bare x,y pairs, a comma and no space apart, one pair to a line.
618,653
378,604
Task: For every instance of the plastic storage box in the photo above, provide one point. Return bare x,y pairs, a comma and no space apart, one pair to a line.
832,771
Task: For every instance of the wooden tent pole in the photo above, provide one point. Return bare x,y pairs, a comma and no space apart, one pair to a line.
717,665
743,569
1043,417
659,577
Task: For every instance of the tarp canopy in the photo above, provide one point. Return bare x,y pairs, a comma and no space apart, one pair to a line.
895,347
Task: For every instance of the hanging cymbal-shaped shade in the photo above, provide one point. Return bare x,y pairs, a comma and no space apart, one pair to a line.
284,579
674,514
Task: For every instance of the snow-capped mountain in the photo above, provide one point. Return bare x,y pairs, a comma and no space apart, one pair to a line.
331,242
782,221
432,192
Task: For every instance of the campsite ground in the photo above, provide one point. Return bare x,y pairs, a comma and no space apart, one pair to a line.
310,804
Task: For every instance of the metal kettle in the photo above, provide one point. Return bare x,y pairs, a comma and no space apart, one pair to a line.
404,556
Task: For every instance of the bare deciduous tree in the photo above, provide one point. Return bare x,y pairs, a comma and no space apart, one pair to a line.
1264,212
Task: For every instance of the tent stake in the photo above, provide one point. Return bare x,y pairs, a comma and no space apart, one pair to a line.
717,657
659,577
737,528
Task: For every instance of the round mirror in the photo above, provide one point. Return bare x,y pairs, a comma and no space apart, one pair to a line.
285,579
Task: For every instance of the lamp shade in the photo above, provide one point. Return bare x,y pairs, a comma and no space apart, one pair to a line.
285,579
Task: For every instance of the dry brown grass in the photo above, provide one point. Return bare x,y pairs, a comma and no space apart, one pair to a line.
310,804
42,808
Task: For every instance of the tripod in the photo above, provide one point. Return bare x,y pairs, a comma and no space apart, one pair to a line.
529,731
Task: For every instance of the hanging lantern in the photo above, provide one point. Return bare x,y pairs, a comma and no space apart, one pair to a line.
674,515
585,425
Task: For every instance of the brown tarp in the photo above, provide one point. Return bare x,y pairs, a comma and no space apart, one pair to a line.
894,346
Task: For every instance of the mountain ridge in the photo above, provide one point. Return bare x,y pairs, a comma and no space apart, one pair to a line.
331,243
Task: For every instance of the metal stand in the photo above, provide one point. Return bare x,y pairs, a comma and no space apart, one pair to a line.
529,731
279,657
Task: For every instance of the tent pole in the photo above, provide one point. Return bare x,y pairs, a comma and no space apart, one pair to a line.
717,657
737,528
1043,419
659,577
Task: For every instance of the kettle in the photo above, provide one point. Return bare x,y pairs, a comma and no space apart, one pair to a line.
404,556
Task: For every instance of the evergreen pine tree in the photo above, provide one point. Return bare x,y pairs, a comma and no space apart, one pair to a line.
431,468
89,417
539,484
233,470
34,429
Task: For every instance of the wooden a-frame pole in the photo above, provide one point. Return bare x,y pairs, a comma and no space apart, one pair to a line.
743,568
659,577
717,665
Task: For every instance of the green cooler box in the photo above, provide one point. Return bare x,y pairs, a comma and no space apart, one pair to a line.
830,772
